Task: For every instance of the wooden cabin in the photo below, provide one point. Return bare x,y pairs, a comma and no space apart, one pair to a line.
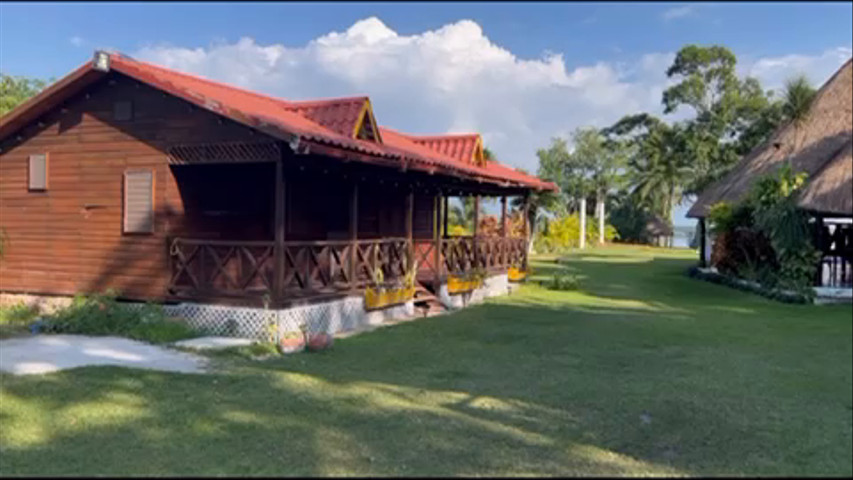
169,187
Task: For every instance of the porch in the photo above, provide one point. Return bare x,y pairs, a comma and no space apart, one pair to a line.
300,229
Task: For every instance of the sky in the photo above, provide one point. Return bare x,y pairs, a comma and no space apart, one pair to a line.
518,73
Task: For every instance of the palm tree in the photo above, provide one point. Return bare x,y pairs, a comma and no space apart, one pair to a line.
660,171
462,213
795,104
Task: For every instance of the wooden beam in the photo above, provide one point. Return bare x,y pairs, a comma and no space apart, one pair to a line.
476,230
410,214
526,214
476,214
353,234
446,216
702,263
503,230
278,215
436,241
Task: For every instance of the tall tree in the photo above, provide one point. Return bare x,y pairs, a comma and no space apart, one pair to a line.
658,166
15,90
724,106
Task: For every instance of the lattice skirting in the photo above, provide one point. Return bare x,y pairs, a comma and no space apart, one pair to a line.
342,315
492,286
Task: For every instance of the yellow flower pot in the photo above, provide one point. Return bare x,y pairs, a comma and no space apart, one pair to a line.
459,285
516,274
374,298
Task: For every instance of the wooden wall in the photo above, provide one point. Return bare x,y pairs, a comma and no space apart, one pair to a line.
69,239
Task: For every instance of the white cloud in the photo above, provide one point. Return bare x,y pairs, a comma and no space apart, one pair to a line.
773,71
452,79
77,41
678,12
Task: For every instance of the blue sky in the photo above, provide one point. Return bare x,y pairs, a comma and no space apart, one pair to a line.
519,73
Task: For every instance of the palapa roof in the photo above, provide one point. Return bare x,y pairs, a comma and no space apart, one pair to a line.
339,127
657,227
819,146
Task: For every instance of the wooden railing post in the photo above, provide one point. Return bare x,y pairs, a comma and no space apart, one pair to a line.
278,249
526,214
353,235
410,246
436,234
503,232
476,231
445,209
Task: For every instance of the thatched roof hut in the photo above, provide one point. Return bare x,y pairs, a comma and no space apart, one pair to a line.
658,227
819,146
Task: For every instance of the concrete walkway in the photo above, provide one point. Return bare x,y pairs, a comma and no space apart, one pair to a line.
50,353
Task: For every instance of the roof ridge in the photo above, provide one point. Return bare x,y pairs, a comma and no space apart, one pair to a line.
203,79
328,100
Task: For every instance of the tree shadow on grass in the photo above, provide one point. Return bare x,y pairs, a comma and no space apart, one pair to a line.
548,383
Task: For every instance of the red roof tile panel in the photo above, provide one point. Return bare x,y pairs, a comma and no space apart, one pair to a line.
329,122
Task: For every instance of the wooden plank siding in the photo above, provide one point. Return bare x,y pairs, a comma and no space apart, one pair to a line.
69,238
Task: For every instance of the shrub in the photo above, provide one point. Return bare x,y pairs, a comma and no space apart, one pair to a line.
563,282
101,314
14,319
766,237
18,314
747,286
562,233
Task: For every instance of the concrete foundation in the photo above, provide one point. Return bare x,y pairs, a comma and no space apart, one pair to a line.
492,286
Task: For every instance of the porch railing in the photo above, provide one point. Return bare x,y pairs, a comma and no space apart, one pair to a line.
213,268
247,269
465,253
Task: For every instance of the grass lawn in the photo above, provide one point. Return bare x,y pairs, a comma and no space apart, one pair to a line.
642,371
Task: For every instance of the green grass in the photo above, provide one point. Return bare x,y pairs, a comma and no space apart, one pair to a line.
15,319
640,371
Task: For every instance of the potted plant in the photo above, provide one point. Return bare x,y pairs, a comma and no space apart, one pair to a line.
467,282
293,341
381,294
516,274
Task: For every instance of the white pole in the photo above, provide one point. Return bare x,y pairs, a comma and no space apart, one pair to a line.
601,223
583,223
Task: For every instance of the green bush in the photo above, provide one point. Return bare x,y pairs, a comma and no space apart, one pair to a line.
766,237
101,314
14,319
760,289
18,314
562,233
563,282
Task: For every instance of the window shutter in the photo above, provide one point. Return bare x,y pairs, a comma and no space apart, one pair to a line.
139,201
38,172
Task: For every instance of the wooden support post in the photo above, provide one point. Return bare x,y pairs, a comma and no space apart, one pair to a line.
279,214
702,262
436,241
503,231
410,214
527,236
446,216
476,231
353,235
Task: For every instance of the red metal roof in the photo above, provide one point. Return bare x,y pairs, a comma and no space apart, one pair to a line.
462,147
330,122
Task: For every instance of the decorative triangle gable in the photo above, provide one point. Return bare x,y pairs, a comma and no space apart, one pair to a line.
365,126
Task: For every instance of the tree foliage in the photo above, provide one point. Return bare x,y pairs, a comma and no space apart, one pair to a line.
15,90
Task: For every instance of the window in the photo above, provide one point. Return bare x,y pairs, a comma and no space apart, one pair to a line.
38,172
123,110
139,201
